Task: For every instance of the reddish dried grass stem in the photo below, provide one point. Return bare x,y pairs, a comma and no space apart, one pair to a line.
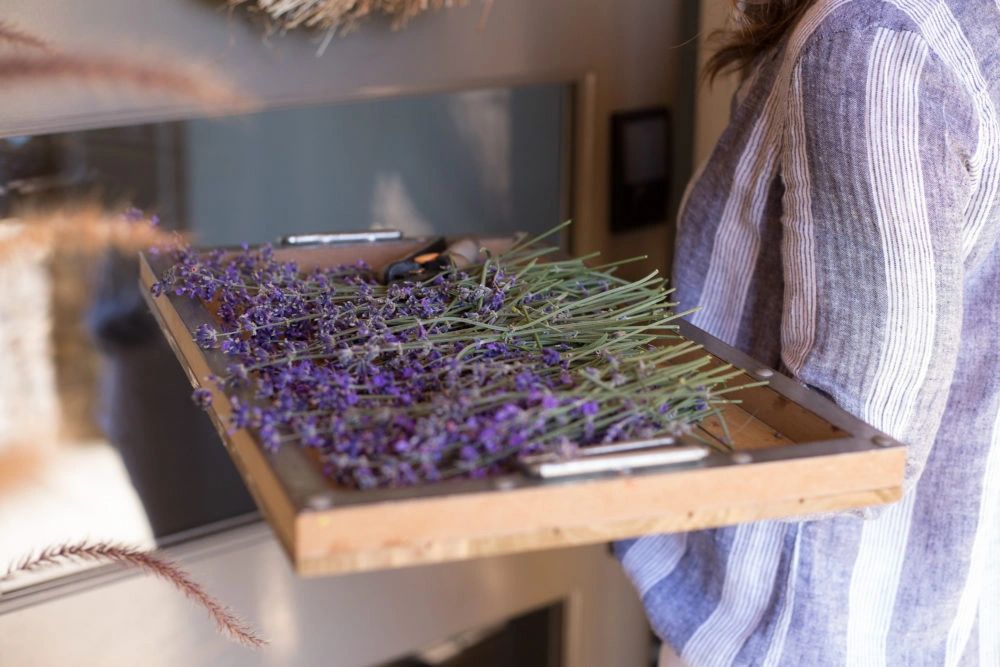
226,621
12,35
109,70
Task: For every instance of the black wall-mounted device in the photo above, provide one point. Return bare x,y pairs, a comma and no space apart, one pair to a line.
640,167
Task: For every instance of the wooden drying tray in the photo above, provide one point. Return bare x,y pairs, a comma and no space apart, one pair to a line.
797,454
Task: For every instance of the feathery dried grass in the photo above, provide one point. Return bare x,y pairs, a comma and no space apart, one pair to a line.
343,15
84,228
16,37
74,240
46,63
201,87
226,621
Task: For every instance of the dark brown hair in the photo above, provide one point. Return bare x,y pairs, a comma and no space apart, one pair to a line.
755,26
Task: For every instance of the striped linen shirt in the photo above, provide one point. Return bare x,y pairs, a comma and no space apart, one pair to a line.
844,230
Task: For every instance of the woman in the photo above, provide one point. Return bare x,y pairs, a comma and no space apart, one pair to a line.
845,230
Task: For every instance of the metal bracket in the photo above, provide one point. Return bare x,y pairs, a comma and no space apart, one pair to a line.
619,457
362,236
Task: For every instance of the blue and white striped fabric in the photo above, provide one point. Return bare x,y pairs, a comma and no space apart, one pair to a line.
845,229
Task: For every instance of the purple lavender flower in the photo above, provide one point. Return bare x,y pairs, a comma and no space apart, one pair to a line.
238,371
421,381
202,398
206,336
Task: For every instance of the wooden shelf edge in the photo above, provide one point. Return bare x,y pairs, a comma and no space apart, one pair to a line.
430,553
443,528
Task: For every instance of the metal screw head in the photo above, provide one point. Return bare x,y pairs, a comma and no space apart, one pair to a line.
764,373
883,441
742,458
319,502
504,484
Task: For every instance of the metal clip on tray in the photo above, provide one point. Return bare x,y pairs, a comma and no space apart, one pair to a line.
363,236
622,457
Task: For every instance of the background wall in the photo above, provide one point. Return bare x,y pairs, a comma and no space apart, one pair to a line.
640,53
628,54
421,164
711,101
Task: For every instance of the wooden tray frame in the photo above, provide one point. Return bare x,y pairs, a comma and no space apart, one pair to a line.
797,454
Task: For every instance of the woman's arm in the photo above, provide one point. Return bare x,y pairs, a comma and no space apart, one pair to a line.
874,164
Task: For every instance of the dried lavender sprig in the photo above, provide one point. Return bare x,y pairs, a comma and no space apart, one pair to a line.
400,384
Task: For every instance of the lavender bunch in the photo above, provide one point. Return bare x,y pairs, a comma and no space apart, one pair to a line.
457,375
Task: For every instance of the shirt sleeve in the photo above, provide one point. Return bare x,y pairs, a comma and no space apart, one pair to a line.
874,166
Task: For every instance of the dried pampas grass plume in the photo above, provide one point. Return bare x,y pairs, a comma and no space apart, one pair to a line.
44,63
68,250
343,15
84,229
227,622
200,87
